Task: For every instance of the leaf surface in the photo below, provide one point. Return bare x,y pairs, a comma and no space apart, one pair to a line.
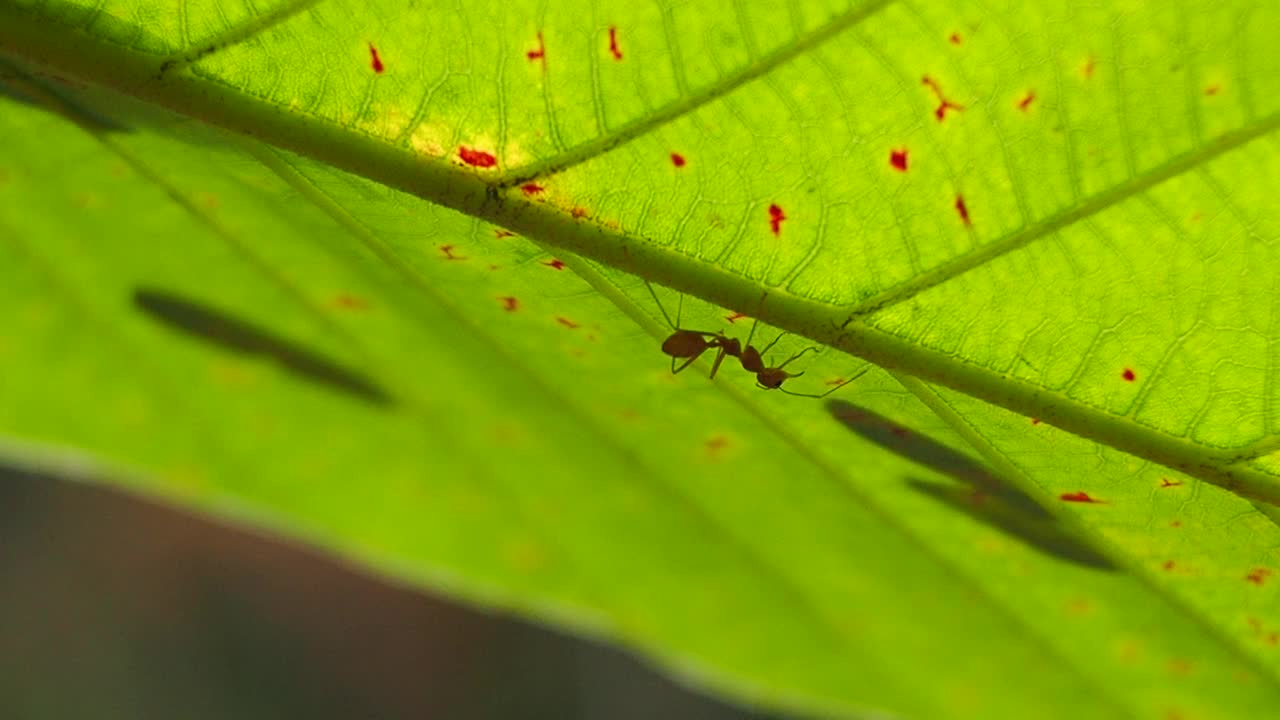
1059,208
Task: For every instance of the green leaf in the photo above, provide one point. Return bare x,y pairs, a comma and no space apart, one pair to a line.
315,324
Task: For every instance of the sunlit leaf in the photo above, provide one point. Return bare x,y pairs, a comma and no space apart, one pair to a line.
365,274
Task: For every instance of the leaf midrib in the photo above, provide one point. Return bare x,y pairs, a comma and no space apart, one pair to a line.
829,472
439,181
962,264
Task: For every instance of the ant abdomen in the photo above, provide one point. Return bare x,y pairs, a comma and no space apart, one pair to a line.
684,344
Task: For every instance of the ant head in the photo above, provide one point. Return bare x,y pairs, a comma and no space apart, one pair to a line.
684,344
772,378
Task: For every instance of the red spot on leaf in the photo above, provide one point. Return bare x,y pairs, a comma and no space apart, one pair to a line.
898,159
1257,575
677,159
1178,666
1025,103
717,443
943,103
578,212
899,431
1080,497
540,53
1088,68
500,233
568,323
962,210
555,263
734,318
1175,524
1128,375
375,62
531,188
955,38
1167,483
1167,565
834,381
1213,90
476,158
1035,421
614,50
448,253
350,302
776,216
510,304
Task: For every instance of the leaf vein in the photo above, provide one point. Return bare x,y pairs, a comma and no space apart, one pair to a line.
687,103
1097,204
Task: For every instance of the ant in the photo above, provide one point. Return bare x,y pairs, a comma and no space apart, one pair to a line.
689,345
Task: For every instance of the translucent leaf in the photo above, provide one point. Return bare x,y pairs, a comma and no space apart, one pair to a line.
390,312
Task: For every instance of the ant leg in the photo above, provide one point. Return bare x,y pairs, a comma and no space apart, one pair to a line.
855,376
775,342
755,320
796,357
661,307
679,309
715,366
676,370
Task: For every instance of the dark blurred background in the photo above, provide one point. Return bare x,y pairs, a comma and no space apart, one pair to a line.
112,607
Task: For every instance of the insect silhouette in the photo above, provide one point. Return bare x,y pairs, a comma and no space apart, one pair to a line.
689,345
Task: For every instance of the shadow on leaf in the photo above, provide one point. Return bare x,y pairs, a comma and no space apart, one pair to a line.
49,96
983,496
243,337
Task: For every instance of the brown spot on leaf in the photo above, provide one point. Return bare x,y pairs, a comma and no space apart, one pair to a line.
1079,497
350,302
